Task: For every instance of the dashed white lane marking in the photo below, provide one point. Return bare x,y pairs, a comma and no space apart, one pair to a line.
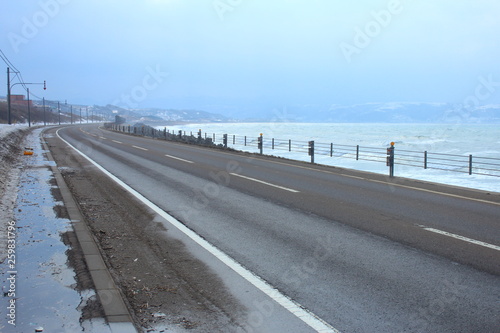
265,183
116,141
465,239
292,306
178,158
140,148
387,183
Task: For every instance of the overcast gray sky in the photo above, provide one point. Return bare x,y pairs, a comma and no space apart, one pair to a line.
220,55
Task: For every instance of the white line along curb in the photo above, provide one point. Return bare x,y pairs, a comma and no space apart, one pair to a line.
293,307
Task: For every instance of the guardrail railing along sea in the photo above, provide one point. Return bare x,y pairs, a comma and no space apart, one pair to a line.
391,156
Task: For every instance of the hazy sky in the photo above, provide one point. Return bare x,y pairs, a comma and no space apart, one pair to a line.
230,55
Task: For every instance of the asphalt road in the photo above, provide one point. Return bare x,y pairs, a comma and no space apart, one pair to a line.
363,252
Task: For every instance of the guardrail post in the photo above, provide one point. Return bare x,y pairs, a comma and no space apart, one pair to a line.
199,135
272,144
311,151
331,149
290,145
425,159
234,139
390,160
470,164
260,143
245,140
224,140
357,152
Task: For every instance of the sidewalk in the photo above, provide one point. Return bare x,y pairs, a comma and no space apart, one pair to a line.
39,281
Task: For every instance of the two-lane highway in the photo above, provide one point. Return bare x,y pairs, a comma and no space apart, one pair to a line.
362,252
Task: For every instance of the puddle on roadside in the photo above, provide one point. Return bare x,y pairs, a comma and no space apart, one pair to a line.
47,293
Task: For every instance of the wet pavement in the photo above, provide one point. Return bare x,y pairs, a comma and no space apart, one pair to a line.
40,291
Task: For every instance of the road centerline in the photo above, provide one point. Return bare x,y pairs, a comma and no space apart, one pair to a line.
386,182
140,148
265,183
462,238
178,158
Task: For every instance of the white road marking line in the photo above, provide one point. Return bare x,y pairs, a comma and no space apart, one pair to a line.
140,148
435,192
266,183
351,176
292,306
116,141
180,159
379,181
386,183
465,239
103,138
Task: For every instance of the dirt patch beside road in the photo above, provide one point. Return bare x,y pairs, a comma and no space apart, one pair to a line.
10,156
165,286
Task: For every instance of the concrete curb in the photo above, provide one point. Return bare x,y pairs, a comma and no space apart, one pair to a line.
115,310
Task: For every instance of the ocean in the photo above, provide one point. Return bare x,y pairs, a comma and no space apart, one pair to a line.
478,140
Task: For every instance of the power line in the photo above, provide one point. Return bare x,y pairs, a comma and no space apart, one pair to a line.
21,82
15,70
7,61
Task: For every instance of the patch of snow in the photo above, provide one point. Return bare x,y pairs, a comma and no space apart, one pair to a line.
7,129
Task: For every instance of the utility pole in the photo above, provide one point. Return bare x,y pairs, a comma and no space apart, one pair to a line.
59,112
44,120
9,87
8,95
29,111
71,115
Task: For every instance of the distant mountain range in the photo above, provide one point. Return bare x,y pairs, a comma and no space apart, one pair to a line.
156,115
359,113
395,112
389,113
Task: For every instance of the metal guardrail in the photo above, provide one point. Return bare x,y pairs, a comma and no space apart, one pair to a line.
468,164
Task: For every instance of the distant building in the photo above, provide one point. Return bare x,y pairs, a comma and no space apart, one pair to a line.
19,100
